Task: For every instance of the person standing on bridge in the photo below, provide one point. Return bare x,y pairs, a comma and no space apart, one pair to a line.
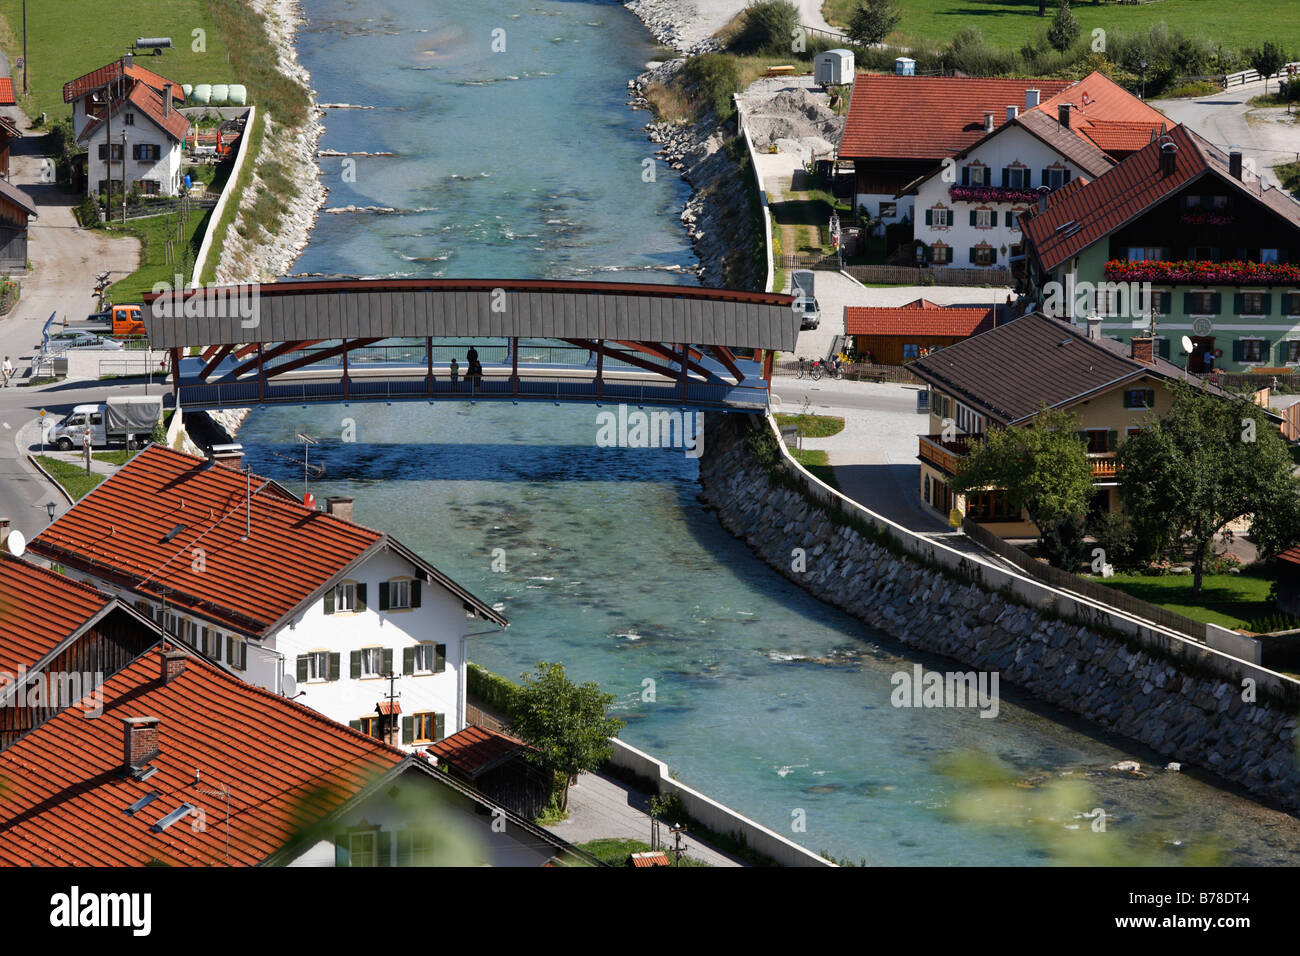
455,371
471,357
8,371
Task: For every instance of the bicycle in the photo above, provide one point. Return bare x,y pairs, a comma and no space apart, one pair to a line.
817,371
802,370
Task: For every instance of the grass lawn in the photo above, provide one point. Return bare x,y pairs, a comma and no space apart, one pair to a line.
153,234
113,457
73,478
1009,23
615,852
818,465
812,426
69,38
1231,600
1289,175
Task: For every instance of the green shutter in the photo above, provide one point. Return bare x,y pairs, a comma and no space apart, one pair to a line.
1187,303
1164,348
408,661
361,597
993,256
1047,177
440,658
341,850
1216,303
1151,397
439,726
1011,218
385,848
388,661
230,651
929,218
354,664
1112,440
1236,350
1267,308
302,667
329,601
972,217
415,592
383,595
334,667
408,729
1238,303
972,253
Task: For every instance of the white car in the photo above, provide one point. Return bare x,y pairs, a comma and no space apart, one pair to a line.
810,315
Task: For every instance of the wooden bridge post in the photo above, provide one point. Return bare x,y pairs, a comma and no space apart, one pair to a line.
514,362
428,361
600,367
261,377
345,367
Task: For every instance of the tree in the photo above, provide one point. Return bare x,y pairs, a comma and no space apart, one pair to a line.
1043,468
767,26
564,722
1065,28
1266,60
1208,462
874,20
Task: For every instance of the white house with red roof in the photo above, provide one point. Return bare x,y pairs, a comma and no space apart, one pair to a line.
127,117
305,603
967,207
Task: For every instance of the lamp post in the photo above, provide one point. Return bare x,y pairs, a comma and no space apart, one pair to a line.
123,177
1143,65
49,508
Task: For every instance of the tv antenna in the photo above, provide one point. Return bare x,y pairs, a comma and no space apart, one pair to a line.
224,791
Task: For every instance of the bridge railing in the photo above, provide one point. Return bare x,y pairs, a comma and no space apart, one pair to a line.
413,355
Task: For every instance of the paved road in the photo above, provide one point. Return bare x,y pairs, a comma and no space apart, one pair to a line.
1267,136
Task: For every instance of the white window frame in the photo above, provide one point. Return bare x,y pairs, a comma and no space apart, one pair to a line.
345,597
400,586
378,671
421,649
318,674
370,858
986,218
1289,343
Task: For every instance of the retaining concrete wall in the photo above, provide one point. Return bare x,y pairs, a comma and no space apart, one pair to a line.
241,155
1188,702
712,814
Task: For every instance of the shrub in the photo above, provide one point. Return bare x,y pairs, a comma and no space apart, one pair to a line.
87,212
710,80
1065,28
767,26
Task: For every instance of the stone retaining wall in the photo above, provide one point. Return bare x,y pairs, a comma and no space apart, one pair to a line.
1188,708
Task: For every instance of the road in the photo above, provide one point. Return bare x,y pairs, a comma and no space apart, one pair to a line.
1266,136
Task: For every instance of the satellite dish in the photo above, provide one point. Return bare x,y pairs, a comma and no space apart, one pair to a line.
290,685
17,543
1187,344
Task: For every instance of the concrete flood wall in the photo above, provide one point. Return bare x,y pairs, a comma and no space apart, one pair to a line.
1188,702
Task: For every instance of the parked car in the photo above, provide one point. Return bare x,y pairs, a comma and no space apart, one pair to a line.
810,315
128,419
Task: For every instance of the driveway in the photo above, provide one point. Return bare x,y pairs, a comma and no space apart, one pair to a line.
1266,136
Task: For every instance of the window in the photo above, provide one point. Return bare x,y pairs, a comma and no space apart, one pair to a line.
1140,253
211,643
346,597
1200,303
983,218
190,633
1268,255
1015,177
148,187
1252,303
1293,353
888,210
1203,253
1250,350
116,153
939,217
984,255
423,727
1161,302
399,594
371,662
1055,178
1291,303
362,846
414,846
237,652
318,666
145,608
940,254
146,152
911,351
975,175
128,119
1140,398
171,624
990,506
1100,440
96,418
1191,202
371,726
1219,202
425,658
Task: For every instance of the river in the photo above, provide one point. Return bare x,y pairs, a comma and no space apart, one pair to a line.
529,164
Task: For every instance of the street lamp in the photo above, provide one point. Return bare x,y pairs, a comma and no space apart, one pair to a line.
49,507
110,175
1143,65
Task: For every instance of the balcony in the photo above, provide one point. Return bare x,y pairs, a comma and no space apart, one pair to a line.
1203,272
1103,466
944,454
992,194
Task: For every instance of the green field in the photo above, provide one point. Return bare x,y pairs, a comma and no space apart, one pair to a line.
73,478
69,38
1009,23
1231,600
153,234
812,426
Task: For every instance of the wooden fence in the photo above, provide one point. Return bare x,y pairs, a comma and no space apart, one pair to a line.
1066,581
940,275
1243,77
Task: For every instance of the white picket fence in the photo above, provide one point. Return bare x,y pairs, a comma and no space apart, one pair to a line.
1250,76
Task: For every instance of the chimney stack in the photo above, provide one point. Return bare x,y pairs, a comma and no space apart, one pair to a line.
1031,99
173,665
339,507
167,99
1012,112
1094,327
1168,159
1234,162
228,456
1063,115
139,741
1043,193
988,121
1143,349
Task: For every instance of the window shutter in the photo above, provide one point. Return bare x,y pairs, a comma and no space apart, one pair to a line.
408,661
334,666
329,601
385,848
361,597
929,217
1151,395
965,173
439,726
383,595
1011,218
993,256
408,729
354,724
440,658
388,660
1112,440
1216,303
1267,308
1164,349
972,250
241,655
230,651
341,847
972,217
415,592
1006,173
354,663
302,668
1236,350
1188,306
1238,303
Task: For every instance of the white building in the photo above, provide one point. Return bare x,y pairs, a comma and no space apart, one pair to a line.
123,110
301,602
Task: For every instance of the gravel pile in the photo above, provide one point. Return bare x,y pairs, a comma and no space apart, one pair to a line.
795,115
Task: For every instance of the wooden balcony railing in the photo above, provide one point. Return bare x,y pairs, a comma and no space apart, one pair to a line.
944,454
1103,466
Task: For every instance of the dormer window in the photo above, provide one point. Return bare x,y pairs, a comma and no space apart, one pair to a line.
399,594
346,597
1015,177
128,119
976,174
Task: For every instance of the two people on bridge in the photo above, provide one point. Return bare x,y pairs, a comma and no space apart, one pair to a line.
474,371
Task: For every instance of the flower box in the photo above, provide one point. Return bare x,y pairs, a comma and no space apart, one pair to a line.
992,194
1200,272
1206,219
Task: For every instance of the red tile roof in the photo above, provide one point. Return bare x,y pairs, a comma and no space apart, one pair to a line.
928,117
1106,113
1073,222
921,317
7,91
389,707
649,858
476,750
149,102
286,766
97,79
291,551
39,610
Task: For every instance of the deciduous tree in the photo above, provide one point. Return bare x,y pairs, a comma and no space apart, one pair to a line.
874,20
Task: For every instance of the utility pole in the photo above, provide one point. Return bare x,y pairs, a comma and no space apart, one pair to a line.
124,177
24,46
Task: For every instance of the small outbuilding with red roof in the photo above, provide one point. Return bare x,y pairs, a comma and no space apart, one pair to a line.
894,335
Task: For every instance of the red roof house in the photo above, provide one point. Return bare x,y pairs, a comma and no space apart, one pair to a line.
894,335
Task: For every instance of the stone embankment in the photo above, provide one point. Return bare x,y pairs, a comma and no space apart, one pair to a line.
1185,714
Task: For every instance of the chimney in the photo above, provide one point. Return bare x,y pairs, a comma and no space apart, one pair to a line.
1043,193
1168,159
139,741
1012,112
1143,349
127,61
228,456
988,121
1094,327
1234,162
1031,99
167,99
1063,115
339,507
173,665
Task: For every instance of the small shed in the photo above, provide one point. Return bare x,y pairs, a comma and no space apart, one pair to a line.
495,765
833,68
905,66
16,207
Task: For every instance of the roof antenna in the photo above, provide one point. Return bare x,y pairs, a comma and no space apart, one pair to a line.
248,504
